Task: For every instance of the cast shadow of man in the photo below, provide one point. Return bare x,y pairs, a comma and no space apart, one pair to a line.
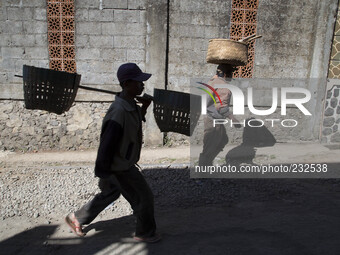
254,136
112,236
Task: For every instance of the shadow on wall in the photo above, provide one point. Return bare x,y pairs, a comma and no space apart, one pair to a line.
253,137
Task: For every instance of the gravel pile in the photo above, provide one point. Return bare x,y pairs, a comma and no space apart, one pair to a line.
58,190
35,192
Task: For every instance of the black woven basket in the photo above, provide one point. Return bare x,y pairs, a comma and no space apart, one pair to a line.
49,90
176,111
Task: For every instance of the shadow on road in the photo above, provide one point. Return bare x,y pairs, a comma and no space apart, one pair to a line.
211,216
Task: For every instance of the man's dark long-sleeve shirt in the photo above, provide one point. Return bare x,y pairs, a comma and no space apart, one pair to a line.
121,138
109,140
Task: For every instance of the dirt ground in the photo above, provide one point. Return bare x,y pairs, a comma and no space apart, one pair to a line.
307,223
302,219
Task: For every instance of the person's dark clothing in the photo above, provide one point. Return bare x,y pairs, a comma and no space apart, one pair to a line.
132,185
120,139
118,154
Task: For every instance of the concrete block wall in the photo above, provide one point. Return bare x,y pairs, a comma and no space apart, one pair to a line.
296,38
108,34
23,40
288,38
296,44
192,23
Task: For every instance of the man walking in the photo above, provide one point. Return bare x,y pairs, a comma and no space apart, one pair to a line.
118,154
215,137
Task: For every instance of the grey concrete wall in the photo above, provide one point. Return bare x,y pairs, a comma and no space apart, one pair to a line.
23,40
296,38
108,34
156,42
296,43
192,24
288,29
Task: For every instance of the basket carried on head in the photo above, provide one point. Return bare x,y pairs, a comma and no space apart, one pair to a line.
49,90
176,111
226,51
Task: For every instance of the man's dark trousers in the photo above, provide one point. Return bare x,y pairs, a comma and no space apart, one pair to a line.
132,185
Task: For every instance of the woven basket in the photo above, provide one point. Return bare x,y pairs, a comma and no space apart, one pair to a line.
226,51
49,90
176,111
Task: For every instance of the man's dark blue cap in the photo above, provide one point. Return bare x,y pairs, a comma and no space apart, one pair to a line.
130,71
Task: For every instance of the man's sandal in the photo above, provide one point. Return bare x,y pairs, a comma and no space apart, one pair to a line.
74,224
151,239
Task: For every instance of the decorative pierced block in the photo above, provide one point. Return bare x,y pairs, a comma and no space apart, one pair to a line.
70,65
251,16
68,9
68,38
55,64
249,29
334,63
236,29
238,4
244,23
55,52
68,52
61,26
53,9
251,4
251,46
68,24
237,16
54,38
53,24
